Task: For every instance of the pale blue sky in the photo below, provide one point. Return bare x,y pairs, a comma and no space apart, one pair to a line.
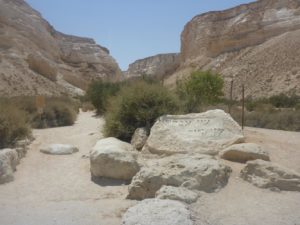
130,29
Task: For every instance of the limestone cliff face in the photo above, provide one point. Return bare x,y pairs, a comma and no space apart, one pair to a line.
159,66
256,44
37,59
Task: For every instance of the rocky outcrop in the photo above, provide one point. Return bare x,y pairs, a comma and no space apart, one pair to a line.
244,152
157,212
59,149
205,133
37,59
157,66
195,172
256,44
112,158
270,175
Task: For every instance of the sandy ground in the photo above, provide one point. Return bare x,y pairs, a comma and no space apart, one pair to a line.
240,203
57,190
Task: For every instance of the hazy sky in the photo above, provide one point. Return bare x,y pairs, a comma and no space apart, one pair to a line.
130,29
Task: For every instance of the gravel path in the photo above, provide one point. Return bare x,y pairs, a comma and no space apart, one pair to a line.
50,190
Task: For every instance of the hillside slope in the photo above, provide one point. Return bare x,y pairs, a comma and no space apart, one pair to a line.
37,59
257,44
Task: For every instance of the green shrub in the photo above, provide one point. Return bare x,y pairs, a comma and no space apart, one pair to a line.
201,88
13,124
137,105
98,93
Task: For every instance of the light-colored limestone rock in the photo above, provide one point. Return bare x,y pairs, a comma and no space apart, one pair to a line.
205,133
195,172
255,44
244,152
157,212
156,66
139,138
112,158
59,149
177,193
265,174
8,162
37,59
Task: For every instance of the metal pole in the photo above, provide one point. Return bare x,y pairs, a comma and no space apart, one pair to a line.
243,106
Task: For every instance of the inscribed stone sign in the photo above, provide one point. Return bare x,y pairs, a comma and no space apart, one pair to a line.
206,133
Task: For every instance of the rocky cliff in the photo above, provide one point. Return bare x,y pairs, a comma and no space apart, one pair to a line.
37,59
159,66
257,44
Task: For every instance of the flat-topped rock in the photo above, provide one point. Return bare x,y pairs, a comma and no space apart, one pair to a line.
205,133
244,152
112,158
59,149
177,193
195,172
157,212
265,174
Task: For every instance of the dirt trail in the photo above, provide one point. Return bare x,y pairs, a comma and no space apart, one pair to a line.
57,190
52,190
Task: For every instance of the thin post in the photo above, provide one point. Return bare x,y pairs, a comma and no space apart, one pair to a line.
243,106
231,90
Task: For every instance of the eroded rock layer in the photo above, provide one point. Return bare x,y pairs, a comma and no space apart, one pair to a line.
37,59
257,44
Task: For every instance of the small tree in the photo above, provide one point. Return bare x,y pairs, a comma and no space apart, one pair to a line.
137,105
202,87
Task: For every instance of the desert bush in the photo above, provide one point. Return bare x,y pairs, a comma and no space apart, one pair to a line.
137,105
13,124
98,93
57,112
284,101
201,88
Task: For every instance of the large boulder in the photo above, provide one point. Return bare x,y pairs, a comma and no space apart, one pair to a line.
59,149
244,152
177,193
199,172
112,158
205,133
139,138
8,162
270,175
157,212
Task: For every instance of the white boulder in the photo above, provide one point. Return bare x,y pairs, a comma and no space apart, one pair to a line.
198,172
244,152
177,193
265,174
205,133
157,212
8,162
112,158
59,149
